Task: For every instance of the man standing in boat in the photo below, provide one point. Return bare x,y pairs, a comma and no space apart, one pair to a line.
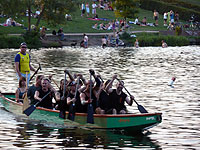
22,62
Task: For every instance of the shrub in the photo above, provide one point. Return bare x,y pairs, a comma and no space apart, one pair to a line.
32,38
10,41
161,7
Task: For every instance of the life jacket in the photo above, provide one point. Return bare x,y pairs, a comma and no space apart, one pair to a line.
24,63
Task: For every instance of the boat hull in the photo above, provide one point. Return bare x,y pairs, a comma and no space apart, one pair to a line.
128,122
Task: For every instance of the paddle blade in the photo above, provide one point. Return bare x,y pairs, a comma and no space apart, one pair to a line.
90,117
29,110
25,103
142,109
71,115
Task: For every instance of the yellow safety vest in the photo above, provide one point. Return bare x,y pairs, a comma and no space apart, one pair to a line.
24,63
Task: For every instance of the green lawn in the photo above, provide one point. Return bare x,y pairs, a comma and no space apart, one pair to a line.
83,24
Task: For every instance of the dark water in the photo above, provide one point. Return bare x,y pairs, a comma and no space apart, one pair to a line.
146,73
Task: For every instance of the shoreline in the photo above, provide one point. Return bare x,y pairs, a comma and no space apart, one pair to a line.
74,39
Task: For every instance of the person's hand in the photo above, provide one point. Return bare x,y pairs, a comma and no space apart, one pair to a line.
132,97
39,99
91,71
66,71
73,100
79,75
89,101
114,77
50,76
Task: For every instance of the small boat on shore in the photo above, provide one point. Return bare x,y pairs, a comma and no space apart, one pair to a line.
128,122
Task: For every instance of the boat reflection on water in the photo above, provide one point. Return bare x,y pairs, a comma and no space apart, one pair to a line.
34,134
105,139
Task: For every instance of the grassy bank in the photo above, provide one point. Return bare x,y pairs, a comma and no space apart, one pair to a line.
83,24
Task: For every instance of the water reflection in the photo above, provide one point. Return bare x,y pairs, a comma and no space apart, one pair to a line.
146,72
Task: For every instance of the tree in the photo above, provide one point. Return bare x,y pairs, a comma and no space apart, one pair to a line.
126,8
51,11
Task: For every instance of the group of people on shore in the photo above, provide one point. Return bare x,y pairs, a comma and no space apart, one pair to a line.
104,98
85,7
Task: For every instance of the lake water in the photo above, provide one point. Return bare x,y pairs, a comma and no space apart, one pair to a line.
146,72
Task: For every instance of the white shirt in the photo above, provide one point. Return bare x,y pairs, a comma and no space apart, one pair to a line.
85,38
94,6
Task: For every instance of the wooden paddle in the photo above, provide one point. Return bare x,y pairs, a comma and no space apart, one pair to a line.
26,101
140,107
39,68
72,110
62,113
90,117
30,109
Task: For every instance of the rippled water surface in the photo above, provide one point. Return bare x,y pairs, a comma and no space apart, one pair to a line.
146,73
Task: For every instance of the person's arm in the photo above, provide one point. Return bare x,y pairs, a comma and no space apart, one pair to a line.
70,100
17,95
98,82
36,96
17,60
108,89
82,97
31,68
69,74
17,69
129,101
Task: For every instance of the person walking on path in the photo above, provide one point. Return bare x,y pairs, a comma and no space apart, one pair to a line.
22,62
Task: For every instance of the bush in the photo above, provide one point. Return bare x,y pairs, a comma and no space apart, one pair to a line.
32,39
10,41
152,39
161,7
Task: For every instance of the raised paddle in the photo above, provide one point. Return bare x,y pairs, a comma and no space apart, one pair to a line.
39,68
26,101
140,107
30,109
62,113
90,117
71,115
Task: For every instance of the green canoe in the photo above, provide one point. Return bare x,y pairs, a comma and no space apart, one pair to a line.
128,122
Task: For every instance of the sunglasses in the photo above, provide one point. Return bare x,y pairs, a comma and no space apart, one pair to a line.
24,47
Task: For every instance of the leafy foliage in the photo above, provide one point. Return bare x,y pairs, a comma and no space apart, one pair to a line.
126,8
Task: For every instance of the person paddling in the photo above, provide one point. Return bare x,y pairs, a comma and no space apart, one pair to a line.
34,87
118,97
46,88
22,62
